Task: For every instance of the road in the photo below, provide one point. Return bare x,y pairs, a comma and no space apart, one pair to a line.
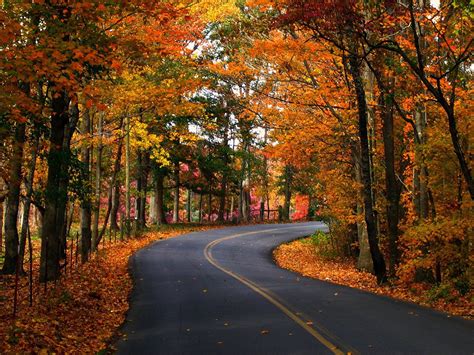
219,292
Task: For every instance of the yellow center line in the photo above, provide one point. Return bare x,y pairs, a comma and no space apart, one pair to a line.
265,293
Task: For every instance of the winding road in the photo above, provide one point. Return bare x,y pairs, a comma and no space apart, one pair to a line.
219,292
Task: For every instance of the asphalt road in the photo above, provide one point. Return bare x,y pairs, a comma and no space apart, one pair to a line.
219,292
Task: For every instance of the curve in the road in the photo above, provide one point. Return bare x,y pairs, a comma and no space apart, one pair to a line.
219,292
266,293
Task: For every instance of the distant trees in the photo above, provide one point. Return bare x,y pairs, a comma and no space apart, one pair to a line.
133,113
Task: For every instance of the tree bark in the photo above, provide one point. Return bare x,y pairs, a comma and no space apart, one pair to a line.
189,206
176,193
159,197
13,201
209,204
145,171
113,183
29,194
222,198
2,211
127,176
420,178
391,184
200,207
98,178
55,195
287,189
86,208
115,206
370,218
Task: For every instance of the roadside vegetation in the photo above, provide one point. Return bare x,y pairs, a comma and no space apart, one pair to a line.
317,257
117,116
81,312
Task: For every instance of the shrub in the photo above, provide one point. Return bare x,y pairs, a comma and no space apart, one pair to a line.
439,249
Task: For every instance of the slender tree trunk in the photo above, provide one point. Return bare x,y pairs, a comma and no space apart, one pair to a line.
370,218
86,207
29,194
288,183
2,211
115,207
364,260
391,185
116,184
145,171
159,198
189,206
152,213
209,203
176,193
420,178
62,218
55,195
463,163
110,193
127,175
200,207
222,198
98,181
139,180
13,201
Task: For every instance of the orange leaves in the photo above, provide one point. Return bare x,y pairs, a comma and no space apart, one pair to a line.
85,308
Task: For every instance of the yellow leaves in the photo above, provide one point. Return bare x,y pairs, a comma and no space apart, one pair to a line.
142,138
214,10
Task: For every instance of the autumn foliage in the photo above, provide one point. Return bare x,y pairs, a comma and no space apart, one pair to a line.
119,115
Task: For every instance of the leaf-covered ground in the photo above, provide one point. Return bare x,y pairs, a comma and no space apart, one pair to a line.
82,311
303,257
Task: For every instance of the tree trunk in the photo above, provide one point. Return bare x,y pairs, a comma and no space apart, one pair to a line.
139,180
86,208
209,204
200,207
364,260
176,193
231,209
222,198
113,183
2,211
159,198
288,183
189,206
98,180
115,206
29,194
55,195
370,218
127,176
391,185
420,178
465,169
13,201
145,170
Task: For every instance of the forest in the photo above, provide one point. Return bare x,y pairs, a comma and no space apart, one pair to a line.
120,117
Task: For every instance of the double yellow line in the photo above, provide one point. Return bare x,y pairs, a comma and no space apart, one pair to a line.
266,293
